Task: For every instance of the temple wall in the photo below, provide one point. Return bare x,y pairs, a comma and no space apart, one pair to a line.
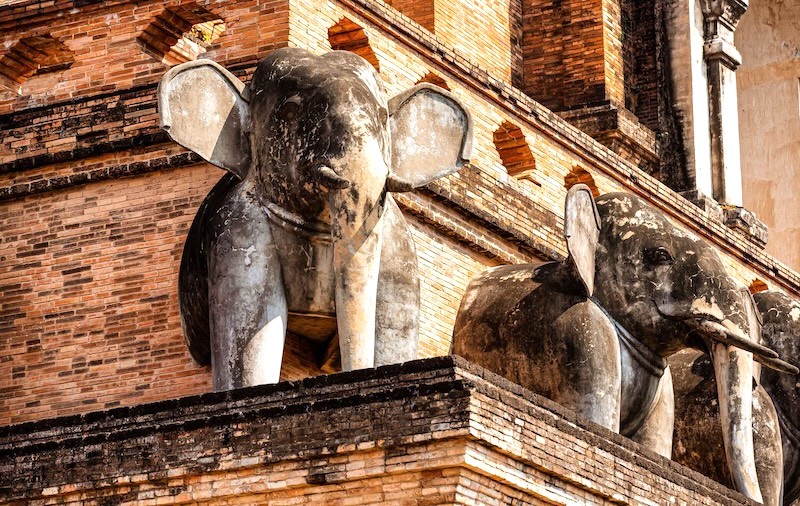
769,119
95,203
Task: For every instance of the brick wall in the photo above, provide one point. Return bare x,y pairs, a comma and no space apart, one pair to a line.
572,52
79,286
108,56
421,11
438,431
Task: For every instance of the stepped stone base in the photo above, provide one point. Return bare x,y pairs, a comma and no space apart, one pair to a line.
434,431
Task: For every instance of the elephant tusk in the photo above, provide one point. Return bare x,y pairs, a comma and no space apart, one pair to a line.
721,334
330,179
777,364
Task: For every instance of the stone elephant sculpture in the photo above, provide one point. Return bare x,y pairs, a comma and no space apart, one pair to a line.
776,407
593,332
303,225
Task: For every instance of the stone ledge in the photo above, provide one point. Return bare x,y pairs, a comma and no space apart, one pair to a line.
739,218
619,130
446,429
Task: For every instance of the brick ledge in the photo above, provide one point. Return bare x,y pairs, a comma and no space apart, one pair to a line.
437,399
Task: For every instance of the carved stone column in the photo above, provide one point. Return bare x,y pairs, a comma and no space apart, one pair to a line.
720,18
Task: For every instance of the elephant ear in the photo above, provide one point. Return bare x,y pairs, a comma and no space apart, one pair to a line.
204,107
431,133
582,232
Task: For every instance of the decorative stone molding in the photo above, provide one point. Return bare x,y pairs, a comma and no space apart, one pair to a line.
726,12
723,51
739,218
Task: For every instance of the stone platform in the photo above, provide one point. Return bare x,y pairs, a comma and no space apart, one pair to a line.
434,431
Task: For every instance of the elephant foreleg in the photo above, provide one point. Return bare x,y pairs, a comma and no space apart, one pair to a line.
655,433
247,302
357,264
397,308
588,363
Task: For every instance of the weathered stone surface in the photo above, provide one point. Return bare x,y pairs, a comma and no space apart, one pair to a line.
305,227
599,348
431,431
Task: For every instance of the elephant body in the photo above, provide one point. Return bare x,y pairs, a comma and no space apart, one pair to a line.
593,332
303,234
776,416
597,373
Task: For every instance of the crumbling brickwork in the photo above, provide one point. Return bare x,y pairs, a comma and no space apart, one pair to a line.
438,431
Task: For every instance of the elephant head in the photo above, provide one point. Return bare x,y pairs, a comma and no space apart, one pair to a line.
313,145
670,289
634,290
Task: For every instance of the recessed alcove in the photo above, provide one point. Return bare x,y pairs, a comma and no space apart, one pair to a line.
580,175
31,56
509,140
434,79
346,35
758,286
181,34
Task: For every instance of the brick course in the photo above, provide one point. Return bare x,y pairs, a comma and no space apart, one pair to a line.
437,431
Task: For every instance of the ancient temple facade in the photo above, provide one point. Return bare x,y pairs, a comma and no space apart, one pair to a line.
100,401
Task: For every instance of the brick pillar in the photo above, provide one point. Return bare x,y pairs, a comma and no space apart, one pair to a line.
574,63
572,52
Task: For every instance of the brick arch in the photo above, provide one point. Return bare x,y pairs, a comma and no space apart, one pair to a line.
181,34
434,79
30,56
758,286
580,175
509,140
346,35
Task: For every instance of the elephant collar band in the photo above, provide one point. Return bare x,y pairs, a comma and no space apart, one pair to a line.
644,356
291,221
787,427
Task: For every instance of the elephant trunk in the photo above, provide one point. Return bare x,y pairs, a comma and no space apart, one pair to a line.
356,185
734,372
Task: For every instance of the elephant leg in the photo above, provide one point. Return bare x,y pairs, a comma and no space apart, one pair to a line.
357,264
397,308
588,361
247,302
655,433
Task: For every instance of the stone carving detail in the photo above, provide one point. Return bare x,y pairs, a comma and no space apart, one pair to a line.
593,332
302,230
776,407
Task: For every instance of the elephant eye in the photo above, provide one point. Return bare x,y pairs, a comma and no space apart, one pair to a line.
290,109
658,256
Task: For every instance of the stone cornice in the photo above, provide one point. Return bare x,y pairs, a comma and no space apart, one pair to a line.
726,12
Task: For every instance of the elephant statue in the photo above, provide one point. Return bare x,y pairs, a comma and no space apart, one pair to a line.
302,233
776,407
593,332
